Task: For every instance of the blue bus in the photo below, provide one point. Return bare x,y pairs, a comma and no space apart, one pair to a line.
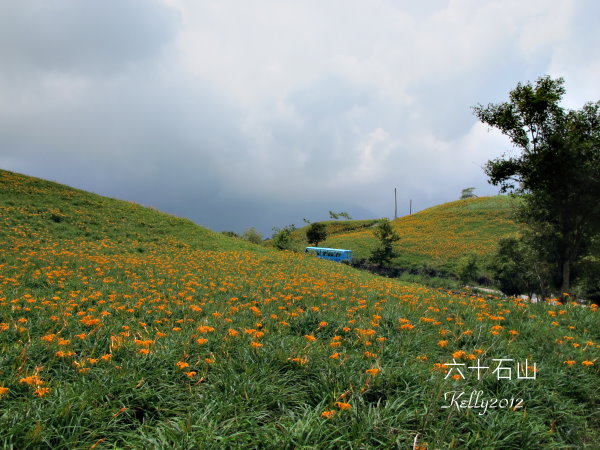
333,254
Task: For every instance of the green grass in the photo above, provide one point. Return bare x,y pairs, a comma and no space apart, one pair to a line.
438,238
152,332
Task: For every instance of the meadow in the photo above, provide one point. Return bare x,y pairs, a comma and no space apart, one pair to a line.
437,238
123,327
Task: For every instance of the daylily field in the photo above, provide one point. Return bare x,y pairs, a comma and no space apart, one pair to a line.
122,327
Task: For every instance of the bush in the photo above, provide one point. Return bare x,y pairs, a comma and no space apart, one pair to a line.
282,237
252,235
468,271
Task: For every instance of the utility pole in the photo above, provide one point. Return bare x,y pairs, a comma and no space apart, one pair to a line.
395,205
410,209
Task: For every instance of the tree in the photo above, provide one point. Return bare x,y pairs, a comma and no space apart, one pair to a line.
252,235
336,216
282,237
467,193
317,232
384,252
557,171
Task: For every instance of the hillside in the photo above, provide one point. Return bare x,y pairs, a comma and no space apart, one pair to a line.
437,237
123,327
43,211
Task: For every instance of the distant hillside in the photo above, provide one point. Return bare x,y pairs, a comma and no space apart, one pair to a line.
56,212
437,237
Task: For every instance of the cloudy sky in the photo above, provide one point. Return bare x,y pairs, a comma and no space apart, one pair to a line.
264,112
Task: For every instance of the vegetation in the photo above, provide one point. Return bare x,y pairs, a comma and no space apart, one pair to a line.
252,235
467,193
316,232
437,239
122,327
336,216
386,236
282,237
558,170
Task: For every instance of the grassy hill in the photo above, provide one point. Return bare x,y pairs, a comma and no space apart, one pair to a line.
438,237
122,327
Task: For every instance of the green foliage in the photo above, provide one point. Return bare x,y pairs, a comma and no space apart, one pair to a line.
282,237
316,232
469,270
558,169
232,234
467,193
512,268
386,236
589,270
335,216
252,235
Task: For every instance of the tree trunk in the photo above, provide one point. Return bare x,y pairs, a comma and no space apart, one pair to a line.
566,276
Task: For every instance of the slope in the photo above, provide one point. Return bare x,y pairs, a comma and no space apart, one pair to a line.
122,327
438,237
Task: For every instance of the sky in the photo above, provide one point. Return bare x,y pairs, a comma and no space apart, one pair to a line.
267,112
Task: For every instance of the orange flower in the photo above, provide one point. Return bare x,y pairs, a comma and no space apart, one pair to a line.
343,406
256,344
569,362
3,391
372,371
300,361
48,337
41,391
191,374
458,354
328,414
310,338
335,356
587,363
201,341
182,364
31,380
442,343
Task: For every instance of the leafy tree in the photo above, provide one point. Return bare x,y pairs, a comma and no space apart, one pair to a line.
467,193
230,234
336,216
282,237
516,269
252,235
317,232
557,171
385,234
